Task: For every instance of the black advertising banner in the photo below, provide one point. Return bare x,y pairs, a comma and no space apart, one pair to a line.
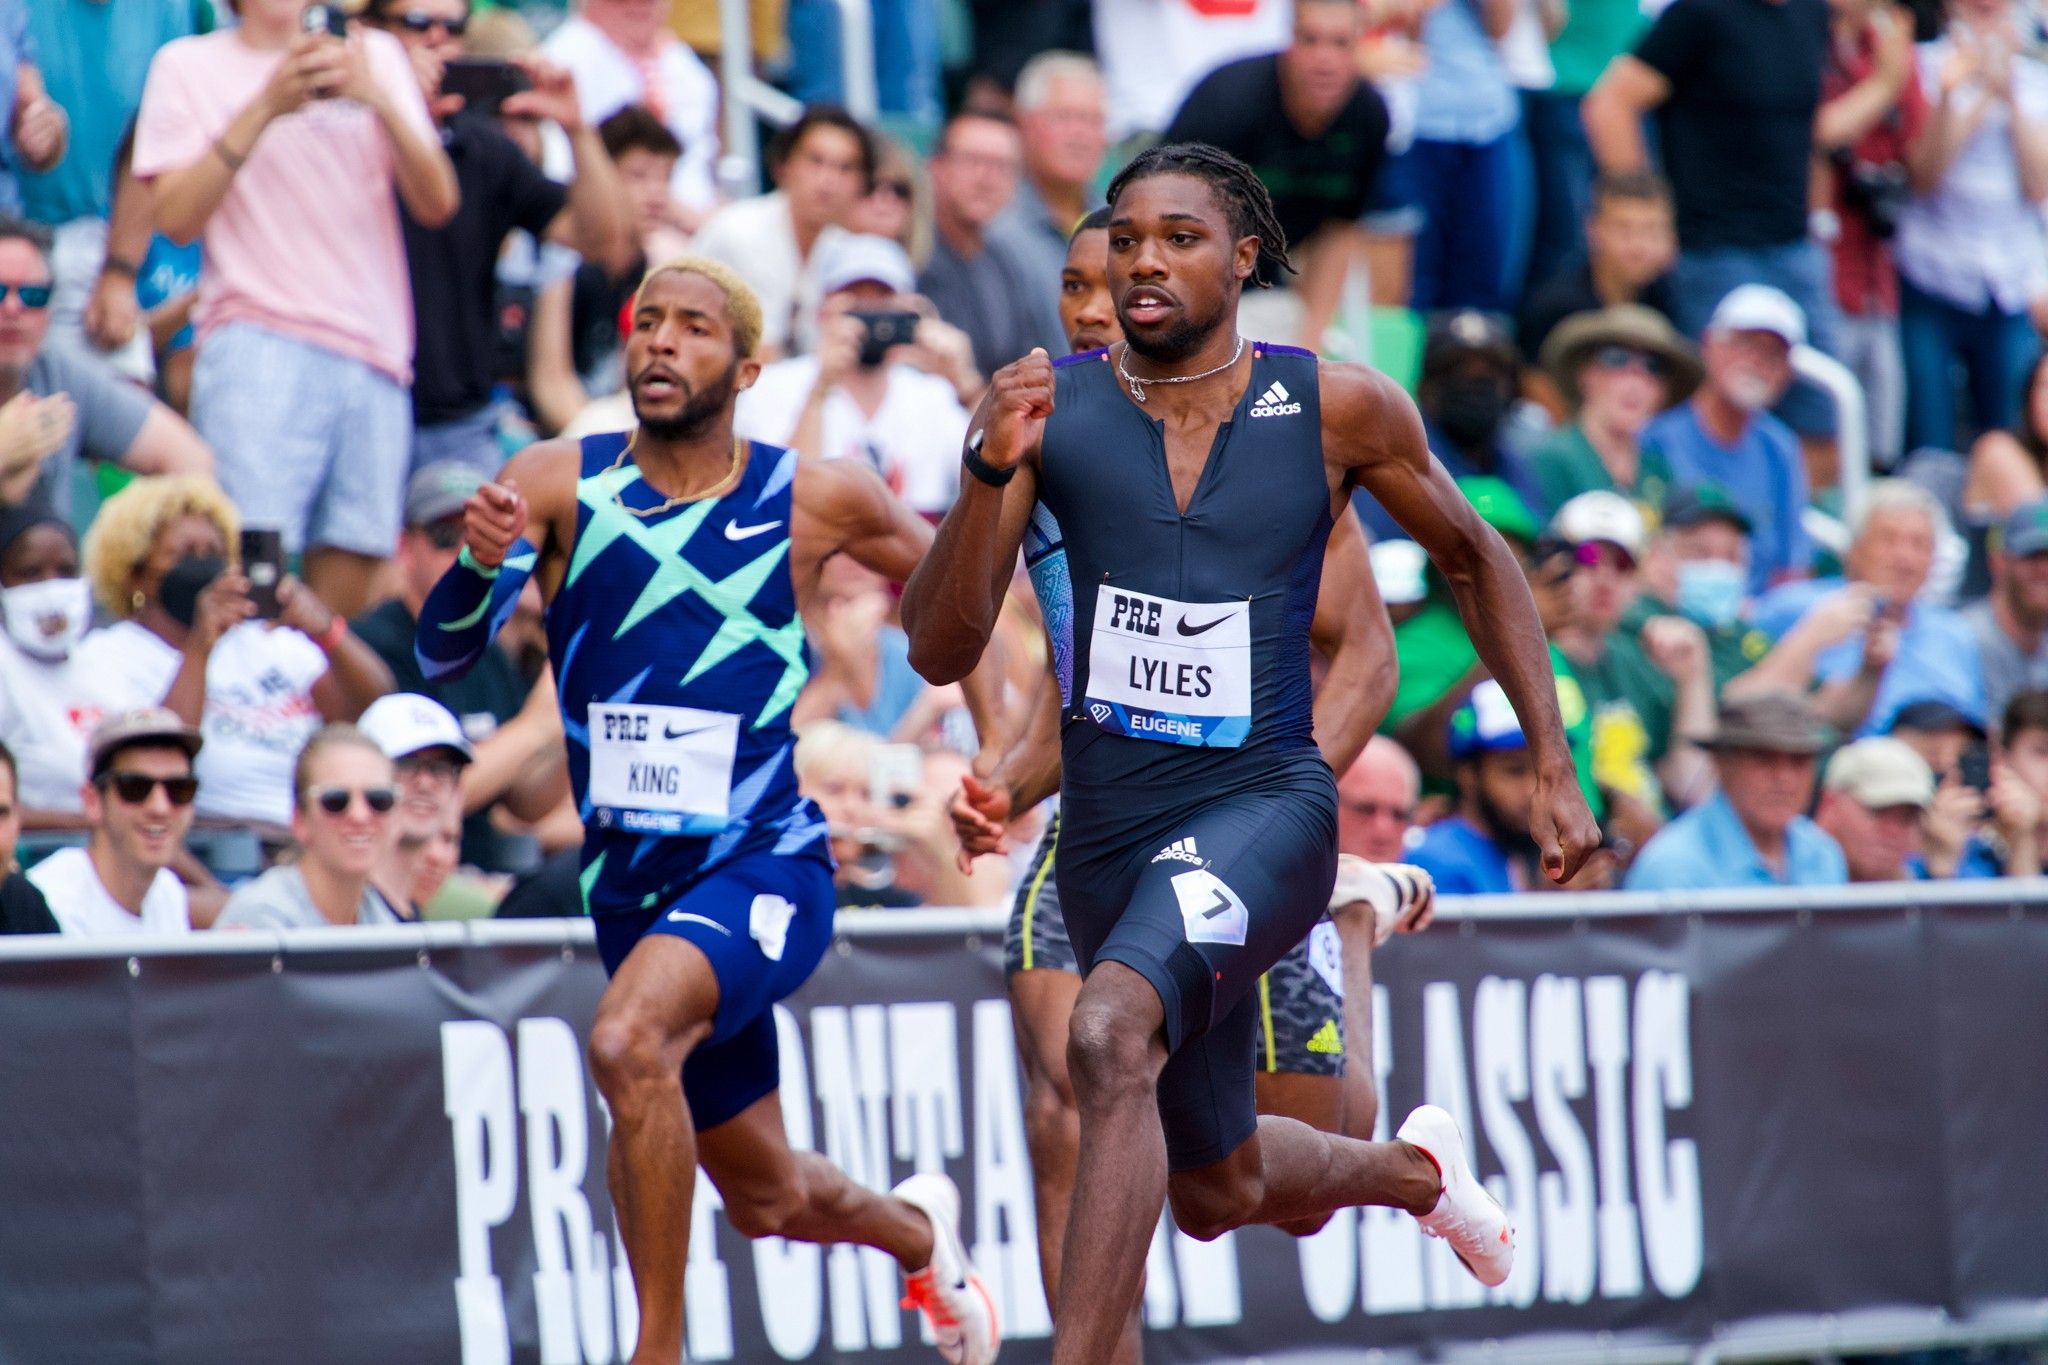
394,1153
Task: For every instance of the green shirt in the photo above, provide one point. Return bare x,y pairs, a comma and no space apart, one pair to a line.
1567,465
1732,649
1595,33
1631,701
1434,652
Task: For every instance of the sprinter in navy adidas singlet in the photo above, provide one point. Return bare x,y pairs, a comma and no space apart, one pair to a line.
1194,477
674,564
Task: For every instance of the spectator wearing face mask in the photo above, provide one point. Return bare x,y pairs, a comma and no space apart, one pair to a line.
1697,567
1727,435
188,639
1617,369
1470,372
49,704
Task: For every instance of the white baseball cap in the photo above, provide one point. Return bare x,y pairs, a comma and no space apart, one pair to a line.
404,723
1601,516
865,256
1397,567
1760,308
1881,772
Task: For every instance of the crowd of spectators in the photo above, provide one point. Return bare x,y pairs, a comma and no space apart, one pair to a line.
281,285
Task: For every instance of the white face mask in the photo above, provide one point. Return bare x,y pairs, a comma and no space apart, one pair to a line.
48,618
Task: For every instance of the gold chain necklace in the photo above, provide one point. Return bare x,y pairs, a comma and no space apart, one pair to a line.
719,489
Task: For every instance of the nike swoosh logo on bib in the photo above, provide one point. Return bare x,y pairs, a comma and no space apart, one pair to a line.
735,531
1184,628
670,732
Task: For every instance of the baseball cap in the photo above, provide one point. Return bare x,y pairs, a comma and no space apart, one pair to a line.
2025,532
1486,723
1607,518
1500,506
404,723
1760,308
1398,571
865,256
438,491
1703,502
149,725
1931,715
1880,772
1450,337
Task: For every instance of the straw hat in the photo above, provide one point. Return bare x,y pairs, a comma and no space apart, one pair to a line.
1573,341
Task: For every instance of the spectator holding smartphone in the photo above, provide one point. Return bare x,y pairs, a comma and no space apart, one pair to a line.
188,639
454,266
288,153
888,384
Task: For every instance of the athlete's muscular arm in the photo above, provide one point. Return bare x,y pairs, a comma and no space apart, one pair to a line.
507,536
847,508
1352,632
1027,773
951,603
1371,428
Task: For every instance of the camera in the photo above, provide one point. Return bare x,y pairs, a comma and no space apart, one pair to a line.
1876,189
882,330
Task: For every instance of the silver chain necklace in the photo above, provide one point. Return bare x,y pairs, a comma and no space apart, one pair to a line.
1138,392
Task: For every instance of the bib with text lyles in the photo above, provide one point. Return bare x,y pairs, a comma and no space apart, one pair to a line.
1176,672
662,769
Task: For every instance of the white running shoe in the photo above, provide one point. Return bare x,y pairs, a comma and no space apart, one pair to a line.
948,1291
1402,896
1466,1216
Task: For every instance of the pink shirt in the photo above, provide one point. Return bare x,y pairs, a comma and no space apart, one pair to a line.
307,241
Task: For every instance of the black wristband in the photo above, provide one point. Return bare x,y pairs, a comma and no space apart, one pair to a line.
119,265
982,469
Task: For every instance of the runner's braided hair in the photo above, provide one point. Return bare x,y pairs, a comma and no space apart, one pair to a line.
1236,186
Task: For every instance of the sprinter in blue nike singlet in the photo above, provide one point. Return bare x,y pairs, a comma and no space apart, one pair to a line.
1194,477
674,564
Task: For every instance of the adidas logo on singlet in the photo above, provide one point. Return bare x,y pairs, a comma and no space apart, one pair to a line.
1326,1039
1179,851
1273,402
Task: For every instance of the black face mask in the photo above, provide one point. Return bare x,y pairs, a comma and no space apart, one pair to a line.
179,591
1470,410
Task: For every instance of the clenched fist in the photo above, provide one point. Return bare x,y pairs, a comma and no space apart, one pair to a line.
1019,401
492,519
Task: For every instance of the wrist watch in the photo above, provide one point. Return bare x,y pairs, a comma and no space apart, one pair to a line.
982,469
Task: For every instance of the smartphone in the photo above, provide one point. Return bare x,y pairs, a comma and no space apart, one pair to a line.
329,19
263,564
483,82
894,775
1973,768
884,330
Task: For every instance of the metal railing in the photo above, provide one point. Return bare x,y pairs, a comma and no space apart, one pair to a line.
746,96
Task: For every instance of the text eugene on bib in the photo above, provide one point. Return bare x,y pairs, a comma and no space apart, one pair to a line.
1176,672
662,769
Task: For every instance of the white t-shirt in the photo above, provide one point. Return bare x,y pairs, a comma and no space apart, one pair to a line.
1153,51
259,707
47,712
913,440
71,885
607,80
757,238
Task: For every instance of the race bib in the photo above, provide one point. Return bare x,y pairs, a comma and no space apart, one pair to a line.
662,769
1177,672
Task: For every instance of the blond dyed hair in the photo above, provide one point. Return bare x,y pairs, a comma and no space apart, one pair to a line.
742,307
129,523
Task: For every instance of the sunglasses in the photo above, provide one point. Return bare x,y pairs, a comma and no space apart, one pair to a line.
1621,357
135,788
419,21
902,189
445,534
335,800
445,769
32,295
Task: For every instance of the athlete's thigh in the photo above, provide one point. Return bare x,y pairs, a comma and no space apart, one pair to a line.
1207,1104
749,1150
1035,937
763,922
1041,1005
1233,887
1301,1008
